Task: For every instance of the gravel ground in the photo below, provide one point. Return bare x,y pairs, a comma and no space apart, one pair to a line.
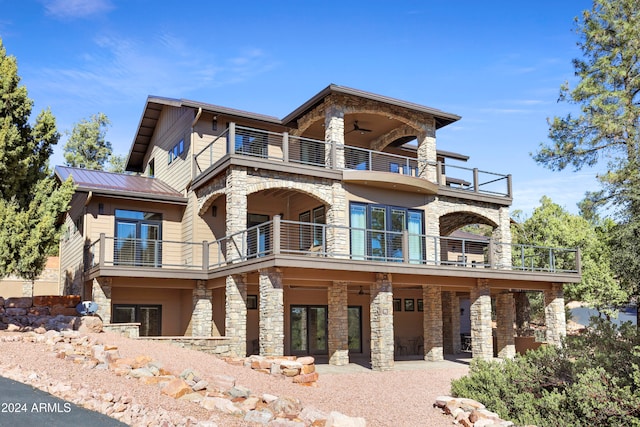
395,398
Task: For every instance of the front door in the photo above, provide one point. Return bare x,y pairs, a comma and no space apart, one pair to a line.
309,329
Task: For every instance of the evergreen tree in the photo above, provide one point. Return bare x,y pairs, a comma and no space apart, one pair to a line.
87,146
31,202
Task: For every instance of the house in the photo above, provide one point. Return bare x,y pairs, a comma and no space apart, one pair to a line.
328,231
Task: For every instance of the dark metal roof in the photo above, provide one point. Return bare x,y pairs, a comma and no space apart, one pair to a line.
442,118
155,104
120,185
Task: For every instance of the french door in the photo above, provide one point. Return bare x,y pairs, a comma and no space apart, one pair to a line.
149,317
309,329
138,239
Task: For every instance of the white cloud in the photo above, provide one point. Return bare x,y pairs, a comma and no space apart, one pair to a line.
70,9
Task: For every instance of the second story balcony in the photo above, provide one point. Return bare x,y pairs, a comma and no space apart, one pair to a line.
319,242
283,148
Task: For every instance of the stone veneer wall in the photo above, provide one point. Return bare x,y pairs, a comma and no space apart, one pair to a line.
271,324
129,330
555,316
432,297
101,295
202,313
236,312
481,338
505,334
381,312
338,336
451,322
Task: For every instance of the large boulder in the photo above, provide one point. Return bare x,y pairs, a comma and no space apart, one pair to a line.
86,324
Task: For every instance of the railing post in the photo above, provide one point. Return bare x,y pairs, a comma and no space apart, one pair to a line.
205,255
102,250
370,160
285,146
476,186
231,139
439,174
509,186
578,261
405,246
276,235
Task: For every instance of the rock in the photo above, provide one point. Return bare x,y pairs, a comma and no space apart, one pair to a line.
336,419
285,406
19,302
306,360
308,369
290,372
263,416
290,364
249,404
192,397
15,311
441,401
310,415
284,422
13,328
176,388
88,324
222,382
200,385
306,378
239,391
141,372
268,398
141,361
189,375
220,404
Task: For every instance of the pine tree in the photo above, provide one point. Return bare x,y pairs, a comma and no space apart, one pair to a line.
87,146
31,201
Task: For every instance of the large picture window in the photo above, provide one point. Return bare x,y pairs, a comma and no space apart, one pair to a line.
138,238
312,236
376,232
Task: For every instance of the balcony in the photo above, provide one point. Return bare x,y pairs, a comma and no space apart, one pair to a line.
283,148
301,240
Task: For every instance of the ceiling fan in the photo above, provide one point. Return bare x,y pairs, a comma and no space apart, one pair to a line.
356,127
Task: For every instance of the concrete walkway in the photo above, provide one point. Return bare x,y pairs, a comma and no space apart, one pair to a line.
361,364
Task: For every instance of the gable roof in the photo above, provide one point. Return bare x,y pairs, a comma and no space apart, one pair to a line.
120,185
155,104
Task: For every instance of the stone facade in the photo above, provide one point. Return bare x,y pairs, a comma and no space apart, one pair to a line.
505,317
202,312
432,297
271,325
236,313
101,295
555,317
338,334
381,312
481,338
451,322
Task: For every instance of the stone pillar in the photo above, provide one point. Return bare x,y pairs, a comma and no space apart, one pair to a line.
338,334
554,314
334,135
427,151
101,295
451,323
505,316
202,311
481,338
501,240
235,324
271,327
338,238
432,323
381,312
432,230
236,217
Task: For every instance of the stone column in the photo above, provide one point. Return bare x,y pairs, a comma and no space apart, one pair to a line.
202,311
554,314
481,338
271,327
235,324
334,135
236,216
501,240
338,238
381,312
432,230
338,334
427,152
101,295
505,316
451,322
432,323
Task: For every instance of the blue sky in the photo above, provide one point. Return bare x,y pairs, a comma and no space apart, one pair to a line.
498,64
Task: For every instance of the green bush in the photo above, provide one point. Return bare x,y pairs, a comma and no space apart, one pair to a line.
593,379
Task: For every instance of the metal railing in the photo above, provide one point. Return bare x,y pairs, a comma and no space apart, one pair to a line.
282,147
311,239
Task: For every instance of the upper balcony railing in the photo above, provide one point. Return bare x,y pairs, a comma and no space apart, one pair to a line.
319,240
286,148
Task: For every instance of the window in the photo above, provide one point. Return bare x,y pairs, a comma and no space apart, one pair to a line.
311,236
138,238
377,232
176,151
149,317
151,168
